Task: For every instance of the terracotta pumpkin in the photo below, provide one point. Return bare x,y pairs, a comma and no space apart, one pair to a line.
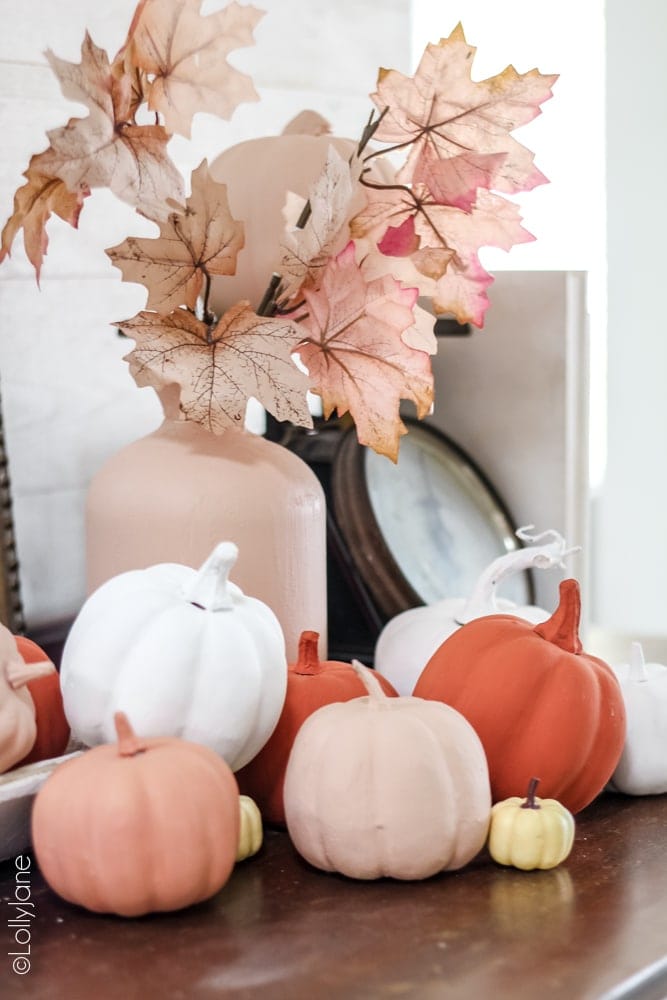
409,639
183,652
538,702
311,683
52,727
138,826
382,786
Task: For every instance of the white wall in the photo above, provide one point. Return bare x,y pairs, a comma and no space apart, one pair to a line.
631,511
67,398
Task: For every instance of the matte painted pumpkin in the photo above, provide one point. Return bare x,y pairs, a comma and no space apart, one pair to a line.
531,832
311,683
409,639
138,826
18,726
183,652
539,704
251,833
642,769
382,786
53,730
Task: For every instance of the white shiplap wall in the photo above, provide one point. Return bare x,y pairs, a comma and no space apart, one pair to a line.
67,399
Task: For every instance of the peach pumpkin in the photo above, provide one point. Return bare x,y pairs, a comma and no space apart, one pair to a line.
382,786
18,726
540,704
311,683
139,826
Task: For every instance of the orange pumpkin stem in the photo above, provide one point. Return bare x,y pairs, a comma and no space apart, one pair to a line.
530,802
563,627
129,743
308,662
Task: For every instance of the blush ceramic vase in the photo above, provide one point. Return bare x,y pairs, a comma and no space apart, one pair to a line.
173,495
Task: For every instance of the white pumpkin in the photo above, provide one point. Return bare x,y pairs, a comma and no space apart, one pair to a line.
409,639
183,653
642,769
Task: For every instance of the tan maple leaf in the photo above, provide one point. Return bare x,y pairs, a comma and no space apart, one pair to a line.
183,53
442,109
355,354
105,149
192,245
219,368
34,203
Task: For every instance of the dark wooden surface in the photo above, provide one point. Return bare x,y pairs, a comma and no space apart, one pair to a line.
280,929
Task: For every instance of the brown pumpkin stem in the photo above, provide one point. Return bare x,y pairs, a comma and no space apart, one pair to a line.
308,662
530,802
129,743
563,627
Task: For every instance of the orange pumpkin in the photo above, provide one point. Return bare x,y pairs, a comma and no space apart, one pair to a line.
311,683
539,704
139,826
53,730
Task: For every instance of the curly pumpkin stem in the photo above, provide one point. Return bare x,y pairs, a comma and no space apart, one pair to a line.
530,802
371,683
308,662
563,627
129,743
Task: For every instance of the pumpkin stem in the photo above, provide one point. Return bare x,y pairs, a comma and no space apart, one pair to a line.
18,672
530,802
551,552
210,589
563,627
308,662
637,663
370,682
129,743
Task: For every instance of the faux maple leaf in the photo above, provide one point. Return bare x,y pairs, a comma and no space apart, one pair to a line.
306,250
33,204
440,243
202,241
183,55
219,368
441,109
104,149
355,354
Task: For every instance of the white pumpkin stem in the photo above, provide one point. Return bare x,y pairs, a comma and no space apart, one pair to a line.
210,589
18,672
637,663
370,682
482,600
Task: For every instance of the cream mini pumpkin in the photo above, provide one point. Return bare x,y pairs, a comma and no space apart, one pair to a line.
530,833
183,652
251,833
642,769
382,786
407,641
